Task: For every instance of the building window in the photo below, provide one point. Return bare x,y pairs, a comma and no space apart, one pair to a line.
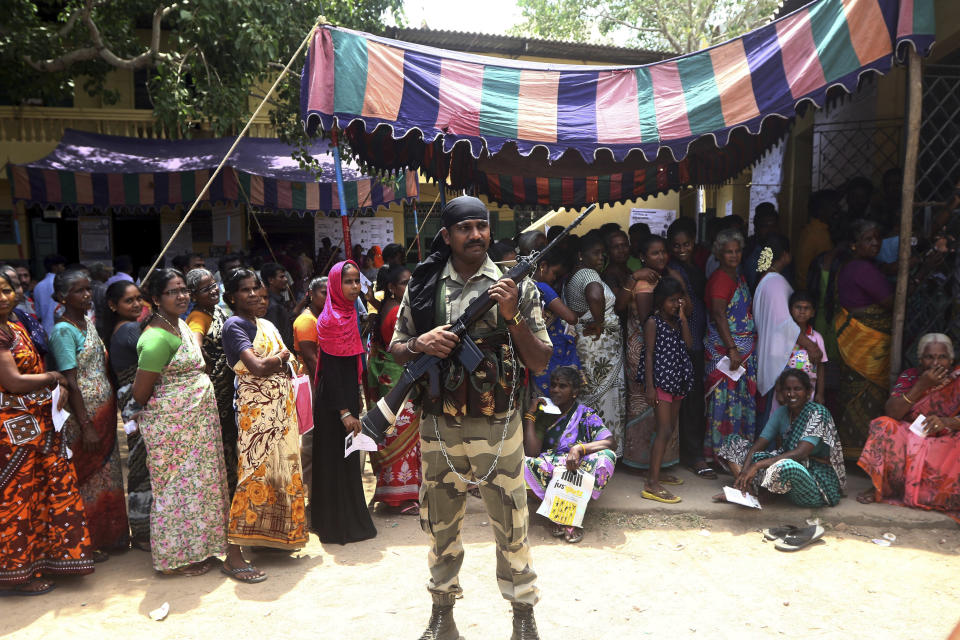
7,233
141,92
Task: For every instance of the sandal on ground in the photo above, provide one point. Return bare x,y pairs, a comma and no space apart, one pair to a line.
800,538
705,471
100,556
247,569
867,497
143,545
573,535
671,480
36,587
558,530
475,492
412,509
191,570
660,496
781,532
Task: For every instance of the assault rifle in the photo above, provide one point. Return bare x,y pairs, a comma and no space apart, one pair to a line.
383,415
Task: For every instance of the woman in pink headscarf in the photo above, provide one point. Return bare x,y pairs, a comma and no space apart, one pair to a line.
338,508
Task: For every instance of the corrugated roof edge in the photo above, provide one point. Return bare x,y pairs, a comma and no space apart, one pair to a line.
788,6
473,42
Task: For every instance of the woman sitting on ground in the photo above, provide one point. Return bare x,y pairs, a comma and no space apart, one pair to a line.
912,470
808,468
576,439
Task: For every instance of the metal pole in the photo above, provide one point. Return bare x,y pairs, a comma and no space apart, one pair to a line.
441,179
914,111
344,214
416,225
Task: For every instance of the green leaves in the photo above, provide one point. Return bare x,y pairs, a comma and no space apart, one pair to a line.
214,62
678,26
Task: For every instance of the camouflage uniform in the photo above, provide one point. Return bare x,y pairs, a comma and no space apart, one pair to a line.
471,445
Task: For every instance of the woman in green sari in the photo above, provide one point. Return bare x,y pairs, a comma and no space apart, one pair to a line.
808,467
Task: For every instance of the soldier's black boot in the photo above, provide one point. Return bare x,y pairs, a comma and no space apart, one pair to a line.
441,625
524,626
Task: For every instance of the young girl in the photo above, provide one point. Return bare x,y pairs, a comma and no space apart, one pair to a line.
667,372
802,310
549,272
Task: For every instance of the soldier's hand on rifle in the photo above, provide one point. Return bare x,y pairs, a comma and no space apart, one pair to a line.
437,342
507,294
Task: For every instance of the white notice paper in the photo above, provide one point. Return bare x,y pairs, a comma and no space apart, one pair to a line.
549,407
359,442
739,497
568,493
917,426
723,366
59,415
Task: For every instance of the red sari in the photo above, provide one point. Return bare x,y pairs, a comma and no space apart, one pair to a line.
43,527
910,470
397,463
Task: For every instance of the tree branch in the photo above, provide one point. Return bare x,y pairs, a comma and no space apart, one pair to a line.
100,50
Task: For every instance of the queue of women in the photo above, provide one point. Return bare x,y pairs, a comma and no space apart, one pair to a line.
653,363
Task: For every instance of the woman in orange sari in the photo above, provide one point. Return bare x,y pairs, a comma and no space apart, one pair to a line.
915,470
43,526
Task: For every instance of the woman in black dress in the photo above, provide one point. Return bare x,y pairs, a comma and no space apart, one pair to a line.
338,508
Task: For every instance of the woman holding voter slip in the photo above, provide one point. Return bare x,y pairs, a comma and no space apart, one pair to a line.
571,437
337,506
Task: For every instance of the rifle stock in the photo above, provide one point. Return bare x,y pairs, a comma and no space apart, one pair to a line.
378,420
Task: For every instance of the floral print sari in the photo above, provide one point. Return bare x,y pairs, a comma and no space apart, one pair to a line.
268,506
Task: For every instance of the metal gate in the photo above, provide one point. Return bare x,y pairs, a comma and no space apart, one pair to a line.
938,161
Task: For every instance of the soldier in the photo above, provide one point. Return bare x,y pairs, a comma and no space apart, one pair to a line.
472,433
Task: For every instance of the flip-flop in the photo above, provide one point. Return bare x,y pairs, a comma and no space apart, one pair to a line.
410,510
661,496
778,533
801,538
671,481
707,473
558,530
867,498
191,570
100,556
573,535
143,545
22,592
236,572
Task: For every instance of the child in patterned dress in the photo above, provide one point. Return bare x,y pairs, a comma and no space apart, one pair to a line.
667,372
802,310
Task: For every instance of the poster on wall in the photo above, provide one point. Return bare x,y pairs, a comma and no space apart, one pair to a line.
95,245
366,232
227,222
657,219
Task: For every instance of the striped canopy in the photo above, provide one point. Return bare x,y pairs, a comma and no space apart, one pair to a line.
600,112
90,171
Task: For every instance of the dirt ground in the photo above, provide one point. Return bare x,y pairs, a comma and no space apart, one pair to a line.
633,576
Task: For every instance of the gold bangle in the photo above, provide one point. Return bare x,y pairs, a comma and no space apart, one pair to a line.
906,399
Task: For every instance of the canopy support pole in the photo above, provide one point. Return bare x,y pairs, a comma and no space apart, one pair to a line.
416,225
914,112
344,214
243,132
441,179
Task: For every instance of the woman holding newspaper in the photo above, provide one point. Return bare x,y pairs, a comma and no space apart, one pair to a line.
729,345
566,433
